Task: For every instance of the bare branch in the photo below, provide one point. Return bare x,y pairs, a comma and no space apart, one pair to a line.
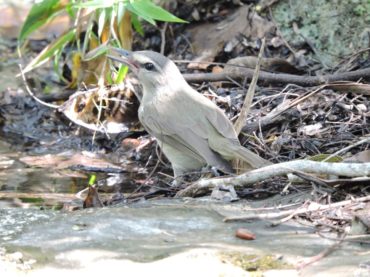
280,78
315,207
257,175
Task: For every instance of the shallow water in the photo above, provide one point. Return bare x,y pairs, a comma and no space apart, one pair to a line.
155,230
159,233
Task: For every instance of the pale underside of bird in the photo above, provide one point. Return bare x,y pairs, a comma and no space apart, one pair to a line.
191,130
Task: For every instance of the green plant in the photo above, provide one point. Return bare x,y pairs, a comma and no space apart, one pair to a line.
114,20
361,7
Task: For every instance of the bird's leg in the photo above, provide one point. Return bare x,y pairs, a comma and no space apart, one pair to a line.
182,178
210,169
215,171
179,177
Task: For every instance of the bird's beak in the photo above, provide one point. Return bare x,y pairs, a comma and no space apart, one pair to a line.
123,56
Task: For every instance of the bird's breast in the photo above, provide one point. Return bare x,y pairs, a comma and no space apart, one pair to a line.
149,111
159,102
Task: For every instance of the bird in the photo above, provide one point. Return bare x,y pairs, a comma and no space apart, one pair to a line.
192,131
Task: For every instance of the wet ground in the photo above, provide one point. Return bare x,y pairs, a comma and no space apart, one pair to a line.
41,155
166,236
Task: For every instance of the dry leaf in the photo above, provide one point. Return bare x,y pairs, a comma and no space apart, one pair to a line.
208,39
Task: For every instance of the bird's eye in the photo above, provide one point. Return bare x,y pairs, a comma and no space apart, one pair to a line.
149,66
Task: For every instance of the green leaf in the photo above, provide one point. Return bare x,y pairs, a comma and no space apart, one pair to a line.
120,11
137,25
70,10
88,34
112,16
98,51
50,50
92,179
147,9
96,4
122,72
322,157
108,78
101,21
39,14
133,10
57,59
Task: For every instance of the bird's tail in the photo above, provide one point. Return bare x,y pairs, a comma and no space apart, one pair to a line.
252,160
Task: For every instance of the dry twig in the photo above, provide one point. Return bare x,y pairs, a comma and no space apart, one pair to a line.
326,252
345,149
280,78
240,122
313,207
30,92
261,174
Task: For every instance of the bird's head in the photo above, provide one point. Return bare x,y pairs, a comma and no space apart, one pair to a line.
153,70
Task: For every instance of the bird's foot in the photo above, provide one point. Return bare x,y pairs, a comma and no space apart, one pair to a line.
210,170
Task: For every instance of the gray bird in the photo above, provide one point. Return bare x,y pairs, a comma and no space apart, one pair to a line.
190,129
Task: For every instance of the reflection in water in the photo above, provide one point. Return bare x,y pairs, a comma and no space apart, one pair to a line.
50,183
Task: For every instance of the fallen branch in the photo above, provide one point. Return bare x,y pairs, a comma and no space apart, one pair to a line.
280,78
197,77
257,175
61,197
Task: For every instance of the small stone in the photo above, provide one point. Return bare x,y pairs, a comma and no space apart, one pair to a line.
245,234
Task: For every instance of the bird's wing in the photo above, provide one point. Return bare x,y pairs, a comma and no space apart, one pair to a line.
170,136
221,123
187,133
230,142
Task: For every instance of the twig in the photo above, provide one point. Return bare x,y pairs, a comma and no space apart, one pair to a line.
362,239
278,32
321,255
292,214
240,122
261,174
349,59
345,149
279,207
280,78
163,37
306,209
147,178
30,92
275,113
47,196
99,106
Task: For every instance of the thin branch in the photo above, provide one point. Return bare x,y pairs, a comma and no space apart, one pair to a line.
345,149
163,37
281,169
305,209
275,113
280,78
30,92
240,122
326,252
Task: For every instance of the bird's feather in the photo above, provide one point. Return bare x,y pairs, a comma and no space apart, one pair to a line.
188,133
